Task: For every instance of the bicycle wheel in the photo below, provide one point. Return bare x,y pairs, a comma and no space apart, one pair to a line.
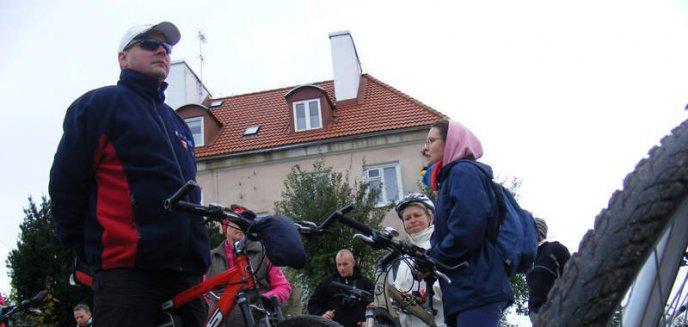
653,203
308,321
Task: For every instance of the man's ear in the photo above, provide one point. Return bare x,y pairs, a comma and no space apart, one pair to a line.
122,58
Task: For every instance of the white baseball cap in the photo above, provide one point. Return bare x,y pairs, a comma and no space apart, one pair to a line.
167,29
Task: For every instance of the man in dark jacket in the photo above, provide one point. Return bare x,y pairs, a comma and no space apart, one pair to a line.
332,302
123,152
549,265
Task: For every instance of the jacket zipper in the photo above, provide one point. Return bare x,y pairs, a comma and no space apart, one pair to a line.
169,143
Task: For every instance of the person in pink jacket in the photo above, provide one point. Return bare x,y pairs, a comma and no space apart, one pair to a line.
270,280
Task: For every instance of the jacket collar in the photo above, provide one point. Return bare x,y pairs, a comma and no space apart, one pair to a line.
143,84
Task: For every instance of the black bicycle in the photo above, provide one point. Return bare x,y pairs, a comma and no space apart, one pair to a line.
8,312
639,242
387,239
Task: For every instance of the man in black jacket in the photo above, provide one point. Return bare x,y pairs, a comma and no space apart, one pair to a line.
549,265
123,152
332,302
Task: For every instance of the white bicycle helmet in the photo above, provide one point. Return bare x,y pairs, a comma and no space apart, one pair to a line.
414,198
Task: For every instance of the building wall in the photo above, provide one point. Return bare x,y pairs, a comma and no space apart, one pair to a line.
257,180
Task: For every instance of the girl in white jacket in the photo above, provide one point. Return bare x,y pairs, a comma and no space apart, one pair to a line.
416,213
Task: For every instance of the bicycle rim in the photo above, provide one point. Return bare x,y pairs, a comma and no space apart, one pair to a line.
652,286
610,256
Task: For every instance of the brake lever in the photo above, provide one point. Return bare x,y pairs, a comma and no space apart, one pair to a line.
442,276
366,239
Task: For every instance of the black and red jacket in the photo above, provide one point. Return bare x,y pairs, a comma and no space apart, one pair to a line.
123,152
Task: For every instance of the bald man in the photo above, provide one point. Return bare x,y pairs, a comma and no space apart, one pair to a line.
330,301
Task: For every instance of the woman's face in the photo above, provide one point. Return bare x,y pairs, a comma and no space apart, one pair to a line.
415,219
434,146
234,233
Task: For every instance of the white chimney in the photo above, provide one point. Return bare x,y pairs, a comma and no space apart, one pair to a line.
184,87
346,66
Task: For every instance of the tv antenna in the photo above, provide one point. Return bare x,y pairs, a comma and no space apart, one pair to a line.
201,40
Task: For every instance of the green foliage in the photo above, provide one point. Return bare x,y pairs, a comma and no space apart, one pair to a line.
313,195
616,319
520,287
215,235
40,263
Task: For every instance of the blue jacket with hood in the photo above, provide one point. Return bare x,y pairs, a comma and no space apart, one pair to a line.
123,152
465,218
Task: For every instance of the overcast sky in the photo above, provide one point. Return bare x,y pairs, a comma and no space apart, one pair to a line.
565,95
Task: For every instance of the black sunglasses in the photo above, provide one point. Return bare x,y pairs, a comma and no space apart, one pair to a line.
150,45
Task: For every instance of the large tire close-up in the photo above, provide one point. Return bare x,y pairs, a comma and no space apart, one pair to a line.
308,321
597,277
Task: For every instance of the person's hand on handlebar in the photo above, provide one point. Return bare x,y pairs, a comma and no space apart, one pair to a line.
329,314
422,275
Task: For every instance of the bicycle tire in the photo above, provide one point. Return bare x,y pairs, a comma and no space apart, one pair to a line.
596,279
308,321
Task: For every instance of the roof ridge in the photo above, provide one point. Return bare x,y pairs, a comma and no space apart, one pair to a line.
287,88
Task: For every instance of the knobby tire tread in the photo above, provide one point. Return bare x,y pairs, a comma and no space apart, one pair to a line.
308,321
596,278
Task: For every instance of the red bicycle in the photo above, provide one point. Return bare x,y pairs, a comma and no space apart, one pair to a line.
240,281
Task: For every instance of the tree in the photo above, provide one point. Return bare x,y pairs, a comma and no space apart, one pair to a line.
313,195
38,263
215,234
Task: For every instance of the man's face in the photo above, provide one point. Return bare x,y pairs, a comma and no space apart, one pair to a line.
345,265
155,63
81,317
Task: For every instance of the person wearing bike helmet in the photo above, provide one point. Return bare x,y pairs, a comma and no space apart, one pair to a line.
416,213
465,215
270,280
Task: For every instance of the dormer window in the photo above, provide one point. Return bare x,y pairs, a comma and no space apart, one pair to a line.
307,115
196,127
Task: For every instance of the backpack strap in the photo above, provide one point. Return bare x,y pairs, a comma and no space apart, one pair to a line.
501,207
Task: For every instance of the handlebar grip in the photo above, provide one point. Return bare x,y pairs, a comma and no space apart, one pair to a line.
346,220
348,208
183,191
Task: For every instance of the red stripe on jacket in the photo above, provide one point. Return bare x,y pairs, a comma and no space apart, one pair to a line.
114,208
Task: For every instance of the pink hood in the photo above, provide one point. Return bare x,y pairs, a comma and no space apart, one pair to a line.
460,144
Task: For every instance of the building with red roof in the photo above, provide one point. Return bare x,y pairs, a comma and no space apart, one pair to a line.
247,144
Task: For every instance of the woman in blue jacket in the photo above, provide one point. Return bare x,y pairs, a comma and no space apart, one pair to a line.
465,221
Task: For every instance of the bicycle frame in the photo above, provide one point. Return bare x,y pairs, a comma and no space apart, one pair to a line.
237,279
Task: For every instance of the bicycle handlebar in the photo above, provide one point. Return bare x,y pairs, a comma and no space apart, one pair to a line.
23,305
218,212
386,240
356,292
213,211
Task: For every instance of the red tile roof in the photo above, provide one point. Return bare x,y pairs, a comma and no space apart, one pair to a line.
383,109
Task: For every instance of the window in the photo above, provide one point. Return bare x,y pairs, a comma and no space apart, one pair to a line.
387,179
196,127
251,130
307,115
